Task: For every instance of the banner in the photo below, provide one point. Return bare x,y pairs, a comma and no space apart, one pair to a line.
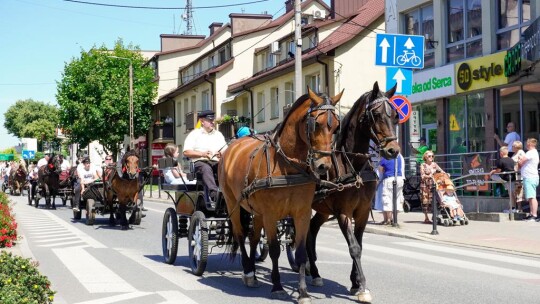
476,164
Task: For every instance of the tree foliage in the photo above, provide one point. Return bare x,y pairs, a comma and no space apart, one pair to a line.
33,119
94,96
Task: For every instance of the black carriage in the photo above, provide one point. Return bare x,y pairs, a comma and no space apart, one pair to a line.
203,222
93,201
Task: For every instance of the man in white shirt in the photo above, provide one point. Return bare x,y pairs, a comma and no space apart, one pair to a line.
509,138
529,173
204,147
44,161
86,175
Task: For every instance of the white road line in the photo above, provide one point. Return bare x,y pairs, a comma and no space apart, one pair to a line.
39,233
91,273
54,239
485,256
118,298
174,297
54,235
55,244
83,236
47,230
456,263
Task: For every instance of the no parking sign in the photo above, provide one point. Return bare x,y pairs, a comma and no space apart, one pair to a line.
402,106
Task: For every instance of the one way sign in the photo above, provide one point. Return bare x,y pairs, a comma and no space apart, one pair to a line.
406,51
402,77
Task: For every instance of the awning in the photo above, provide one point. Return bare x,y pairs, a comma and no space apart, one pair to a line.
232,97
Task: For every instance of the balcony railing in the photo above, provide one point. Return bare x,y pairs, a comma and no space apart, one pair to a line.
164,132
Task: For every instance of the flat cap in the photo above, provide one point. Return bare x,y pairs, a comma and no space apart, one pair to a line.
208,114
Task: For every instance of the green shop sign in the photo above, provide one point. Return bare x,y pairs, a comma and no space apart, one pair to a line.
6,157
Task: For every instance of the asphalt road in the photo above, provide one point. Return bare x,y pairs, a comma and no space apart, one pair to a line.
102,264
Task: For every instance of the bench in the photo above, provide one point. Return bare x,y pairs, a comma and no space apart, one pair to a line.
184,196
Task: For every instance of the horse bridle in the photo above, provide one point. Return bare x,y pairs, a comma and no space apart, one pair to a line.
125,168
368,114
310,128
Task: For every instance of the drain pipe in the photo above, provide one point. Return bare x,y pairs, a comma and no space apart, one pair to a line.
325,75
212,87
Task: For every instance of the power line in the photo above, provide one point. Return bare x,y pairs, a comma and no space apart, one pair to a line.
161,8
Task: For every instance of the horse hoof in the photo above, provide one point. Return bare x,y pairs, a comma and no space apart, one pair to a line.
250,281
304,301
365,297
354,291
317,282
125,227
279,295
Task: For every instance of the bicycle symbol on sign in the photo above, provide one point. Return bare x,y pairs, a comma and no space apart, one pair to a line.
408,56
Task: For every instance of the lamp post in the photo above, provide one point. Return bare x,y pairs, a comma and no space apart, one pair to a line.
130,99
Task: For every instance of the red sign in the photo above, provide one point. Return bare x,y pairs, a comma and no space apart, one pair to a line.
157,153
402,106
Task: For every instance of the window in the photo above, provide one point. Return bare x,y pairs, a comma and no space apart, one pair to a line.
514,17
186,106
260,107
289,93
274,105
197,69
270,62
222,56
178,115
464,29
420,22
313,82
205,97
292,49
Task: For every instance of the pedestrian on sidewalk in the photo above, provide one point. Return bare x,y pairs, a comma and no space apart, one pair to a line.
517,147
427,169
529,172
387,169
509,138
504,164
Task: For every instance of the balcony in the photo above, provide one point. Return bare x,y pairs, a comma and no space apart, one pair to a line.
164,132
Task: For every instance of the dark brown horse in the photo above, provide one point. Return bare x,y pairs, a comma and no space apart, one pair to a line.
273,177
49,180
18,177
371,118
125,188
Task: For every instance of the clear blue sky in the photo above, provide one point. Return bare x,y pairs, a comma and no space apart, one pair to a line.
37,37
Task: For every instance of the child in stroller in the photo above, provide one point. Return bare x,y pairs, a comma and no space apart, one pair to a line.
450,201
451,210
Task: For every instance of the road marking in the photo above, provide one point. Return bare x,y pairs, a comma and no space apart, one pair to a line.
118,298
174,297
53,235
57,239
83,236
91,273
55,244
485,256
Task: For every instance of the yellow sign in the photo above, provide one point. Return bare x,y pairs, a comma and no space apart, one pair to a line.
454,125
480,73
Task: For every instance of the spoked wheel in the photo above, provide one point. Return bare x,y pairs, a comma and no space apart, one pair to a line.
90,212
138,213
36,200
262,249
198,243
406,207
29,198
169,236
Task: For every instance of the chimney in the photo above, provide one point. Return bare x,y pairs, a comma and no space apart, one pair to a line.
289,6
345,8
214,26
246,22
172,42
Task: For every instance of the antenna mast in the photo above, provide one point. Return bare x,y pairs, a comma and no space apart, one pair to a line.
188,17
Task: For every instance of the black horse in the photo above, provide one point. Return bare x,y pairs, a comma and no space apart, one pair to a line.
49,180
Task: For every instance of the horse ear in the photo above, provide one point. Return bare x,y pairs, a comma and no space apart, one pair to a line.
313,96
375,91
391,92
337,98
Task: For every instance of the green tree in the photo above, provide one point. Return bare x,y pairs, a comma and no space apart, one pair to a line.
94,96
33,119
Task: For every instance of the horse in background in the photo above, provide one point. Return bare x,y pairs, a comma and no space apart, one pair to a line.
273,177
125,188
49,179
371,118
18,177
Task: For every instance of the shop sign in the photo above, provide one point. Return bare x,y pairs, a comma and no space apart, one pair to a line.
157,153
478,168
414,126
530,43
433,83
480,73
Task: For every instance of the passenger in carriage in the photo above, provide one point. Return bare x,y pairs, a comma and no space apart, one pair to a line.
86,175
33,177
204,146
42,162
64,167
174,175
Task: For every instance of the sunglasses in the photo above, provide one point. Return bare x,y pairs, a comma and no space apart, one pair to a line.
108,158
429,156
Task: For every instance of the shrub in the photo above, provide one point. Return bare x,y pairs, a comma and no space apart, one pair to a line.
8,226
21,282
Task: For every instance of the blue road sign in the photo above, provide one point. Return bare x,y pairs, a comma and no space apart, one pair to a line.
28,154
406,51
402,77
403,107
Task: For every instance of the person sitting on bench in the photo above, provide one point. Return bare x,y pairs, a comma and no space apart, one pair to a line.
174,175
204,147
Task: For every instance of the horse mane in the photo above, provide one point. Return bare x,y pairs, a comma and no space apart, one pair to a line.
279,128
348,121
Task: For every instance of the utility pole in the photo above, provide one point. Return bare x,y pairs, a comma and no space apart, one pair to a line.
298,56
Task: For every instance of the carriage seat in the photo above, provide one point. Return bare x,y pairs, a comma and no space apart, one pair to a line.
166,163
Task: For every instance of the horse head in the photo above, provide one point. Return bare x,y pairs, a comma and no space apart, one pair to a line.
54,164
130,164
308,129
379,119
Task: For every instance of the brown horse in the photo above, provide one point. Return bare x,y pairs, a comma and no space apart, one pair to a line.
49,180
371,118
18,177
125,188
273,177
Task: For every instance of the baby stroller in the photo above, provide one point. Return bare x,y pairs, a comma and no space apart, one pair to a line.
449,207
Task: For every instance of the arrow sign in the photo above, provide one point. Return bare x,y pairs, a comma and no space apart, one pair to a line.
384,46
409,44
402,77
28,154
402,106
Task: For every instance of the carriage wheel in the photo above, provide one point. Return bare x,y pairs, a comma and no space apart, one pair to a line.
29,198
90,212
77,215
406,207
138,213
169,236
36,199
3,187
198,243
262,249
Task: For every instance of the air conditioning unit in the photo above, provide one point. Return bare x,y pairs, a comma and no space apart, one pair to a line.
274,48
319,14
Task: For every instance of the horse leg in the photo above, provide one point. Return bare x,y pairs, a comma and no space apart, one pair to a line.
315,225
47,196
248,274
274,249
301,227
255,238
122,209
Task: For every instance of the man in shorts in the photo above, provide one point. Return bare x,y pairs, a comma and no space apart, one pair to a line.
529,173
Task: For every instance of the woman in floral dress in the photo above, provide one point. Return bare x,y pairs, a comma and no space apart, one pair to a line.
427,169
